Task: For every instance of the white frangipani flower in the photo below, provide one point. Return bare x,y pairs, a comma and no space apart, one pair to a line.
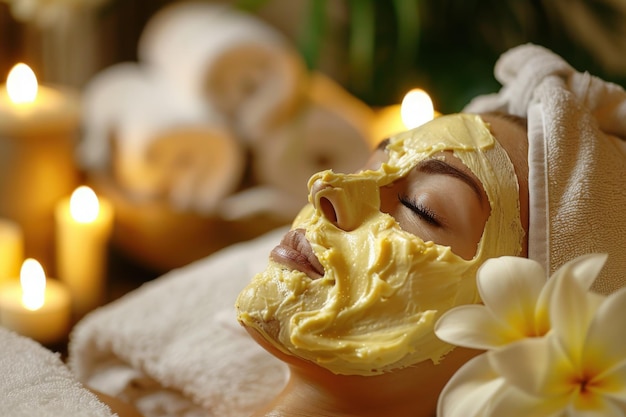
516,296
555,349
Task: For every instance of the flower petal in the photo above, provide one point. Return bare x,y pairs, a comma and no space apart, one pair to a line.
605,344
614,385
572,309
510,287
513,402
537,366
472,326
601,407
469,391
584,269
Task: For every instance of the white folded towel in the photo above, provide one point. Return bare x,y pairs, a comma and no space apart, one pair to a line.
577,158
174,348
156,143
35,382
241,66
331,129
129,103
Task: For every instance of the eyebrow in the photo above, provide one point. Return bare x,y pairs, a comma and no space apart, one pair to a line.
437,166
382,144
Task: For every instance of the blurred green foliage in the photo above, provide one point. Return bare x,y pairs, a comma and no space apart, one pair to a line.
448,47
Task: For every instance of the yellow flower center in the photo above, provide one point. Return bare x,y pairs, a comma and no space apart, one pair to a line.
585,390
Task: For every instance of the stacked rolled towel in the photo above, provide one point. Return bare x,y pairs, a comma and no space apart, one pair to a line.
212,71
35,382
164,147
577,158
240,66
174,348
331,129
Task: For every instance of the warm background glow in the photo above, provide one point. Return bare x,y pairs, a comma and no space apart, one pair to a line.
84,206
33,280
417,108
22,84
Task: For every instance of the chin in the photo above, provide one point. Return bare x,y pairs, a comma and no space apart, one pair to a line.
263,339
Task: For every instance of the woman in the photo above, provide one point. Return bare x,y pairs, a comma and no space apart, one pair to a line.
350,296
361,343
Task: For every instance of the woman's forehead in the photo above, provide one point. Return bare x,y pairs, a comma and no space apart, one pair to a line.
460,132
513,138
457,133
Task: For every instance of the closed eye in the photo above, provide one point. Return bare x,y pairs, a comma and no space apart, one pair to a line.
423,212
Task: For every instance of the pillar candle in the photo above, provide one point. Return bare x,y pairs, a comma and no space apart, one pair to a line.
83,226
39,125
416,109
11,249
35,306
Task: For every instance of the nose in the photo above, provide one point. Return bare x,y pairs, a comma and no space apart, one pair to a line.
346,206
324,201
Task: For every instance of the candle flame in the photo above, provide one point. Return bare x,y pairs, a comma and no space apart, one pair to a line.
33,281
22,84
417,108
84,205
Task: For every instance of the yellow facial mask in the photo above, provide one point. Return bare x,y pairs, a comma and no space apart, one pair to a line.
383,288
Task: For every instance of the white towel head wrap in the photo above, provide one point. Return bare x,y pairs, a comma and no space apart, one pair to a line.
576,158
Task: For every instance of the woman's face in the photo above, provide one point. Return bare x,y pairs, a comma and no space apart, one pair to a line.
380,254
440,200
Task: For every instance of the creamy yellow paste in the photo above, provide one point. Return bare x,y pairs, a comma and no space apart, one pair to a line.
383,288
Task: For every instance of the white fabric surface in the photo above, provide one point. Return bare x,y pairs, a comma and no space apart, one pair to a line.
239,65
35,382
174,347
577,158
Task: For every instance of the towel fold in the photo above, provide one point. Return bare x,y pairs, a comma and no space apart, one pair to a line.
174,348
195,166
129,104
331,129
577,158
156,144
239,65
35,382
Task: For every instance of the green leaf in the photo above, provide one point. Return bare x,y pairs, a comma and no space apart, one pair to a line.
311,39
249,5
362,43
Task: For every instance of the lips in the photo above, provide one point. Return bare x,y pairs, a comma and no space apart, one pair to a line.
295,252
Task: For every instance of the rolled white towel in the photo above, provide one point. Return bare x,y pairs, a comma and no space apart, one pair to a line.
330,131
173,347
197,166
576,157
159,145
127,101
240,66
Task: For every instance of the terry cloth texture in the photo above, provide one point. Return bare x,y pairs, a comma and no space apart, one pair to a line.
577,158
35,382
174,348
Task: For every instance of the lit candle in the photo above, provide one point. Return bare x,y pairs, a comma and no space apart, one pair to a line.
416,109
39,127
11,249
84,224
34,306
